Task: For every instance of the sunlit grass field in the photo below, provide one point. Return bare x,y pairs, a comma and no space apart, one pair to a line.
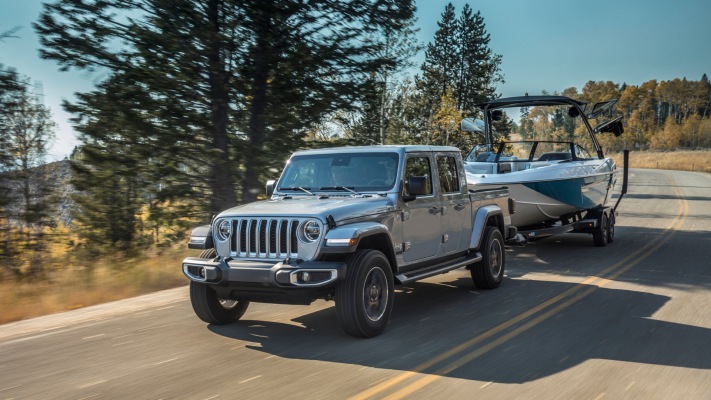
74,285
681,160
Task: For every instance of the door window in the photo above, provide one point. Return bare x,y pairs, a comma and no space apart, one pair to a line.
448,179
418,166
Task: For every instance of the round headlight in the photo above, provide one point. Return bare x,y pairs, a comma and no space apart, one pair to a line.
224,229
311,230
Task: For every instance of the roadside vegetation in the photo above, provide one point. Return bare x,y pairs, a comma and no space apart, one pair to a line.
74,280
679,160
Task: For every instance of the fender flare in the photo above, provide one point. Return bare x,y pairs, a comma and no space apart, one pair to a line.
201,238
345,238
481,219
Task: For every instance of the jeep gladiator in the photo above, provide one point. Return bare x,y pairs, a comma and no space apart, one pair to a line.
348,224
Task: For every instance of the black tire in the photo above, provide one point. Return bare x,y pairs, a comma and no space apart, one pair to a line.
364,299
489,272
611,228
209,307
601,233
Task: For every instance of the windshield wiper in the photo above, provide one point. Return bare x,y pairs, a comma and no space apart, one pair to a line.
339,188
303,189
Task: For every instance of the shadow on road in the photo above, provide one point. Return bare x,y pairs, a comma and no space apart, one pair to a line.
431,318
681,262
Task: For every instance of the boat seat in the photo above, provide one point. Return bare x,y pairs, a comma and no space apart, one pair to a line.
504,167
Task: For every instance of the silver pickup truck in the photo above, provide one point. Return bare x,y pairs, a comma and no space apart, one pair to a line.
347,224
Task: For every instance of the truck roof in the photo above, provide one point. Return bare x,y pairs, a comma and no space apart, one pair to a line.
378,149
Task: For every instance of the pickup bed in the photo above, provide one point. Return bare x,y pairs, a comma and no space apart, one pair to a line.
347,224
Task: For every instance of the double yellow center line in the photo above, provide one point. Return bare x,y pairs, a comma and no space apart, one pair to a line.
465,352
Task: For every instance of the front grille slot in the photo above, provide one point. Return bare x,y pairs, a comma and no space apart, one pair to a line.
264,238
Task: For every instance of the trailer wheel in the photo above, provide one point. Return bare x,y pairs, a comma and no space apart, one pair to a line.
489,272
602,232
209,307
611,228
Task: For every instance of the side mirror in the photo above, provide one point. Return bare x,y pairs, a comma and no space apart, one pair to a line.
271,184
417,185
613,126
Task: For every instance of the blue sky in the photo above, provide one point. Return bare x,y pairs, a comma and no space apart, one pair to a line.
545,44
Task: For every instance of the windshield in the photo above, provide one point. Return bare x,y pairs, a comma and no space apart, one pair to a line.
528,151
347,172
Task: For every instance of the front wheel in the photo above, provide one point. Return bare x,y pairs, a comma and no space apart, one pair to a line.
212,309
364,299
209,307
489,272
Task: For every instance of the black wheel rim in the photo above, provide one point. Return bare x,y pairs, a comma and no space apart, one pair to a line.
375,294
495,259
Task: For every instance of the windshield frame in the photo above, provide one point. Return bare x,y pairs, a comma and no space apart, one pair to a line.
340,173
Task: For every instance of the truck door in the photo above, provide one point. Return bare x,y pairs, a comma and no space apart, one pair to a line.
456,204
421,217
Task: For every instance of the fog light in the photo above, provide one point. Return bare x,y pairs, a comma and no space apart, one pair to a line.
201,272
305,276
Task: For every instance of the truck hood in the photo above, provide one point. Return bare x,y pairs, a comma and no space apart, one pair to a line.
340,208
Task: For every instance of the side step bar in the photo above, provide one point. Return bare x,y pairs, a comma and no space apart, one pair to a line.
438,268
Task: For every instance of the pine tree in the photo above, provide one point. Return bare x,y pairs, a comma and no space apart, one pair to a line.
459,59
399,46
26,129
479,71
223,89
706,83
439,71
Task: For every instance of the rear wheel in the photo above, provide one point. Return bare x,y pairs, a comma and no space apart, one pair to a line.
364,299
489,272
601,233
211,308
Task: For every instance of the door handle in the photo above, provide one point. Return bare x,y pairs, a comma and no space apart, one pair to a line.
435,210
459,207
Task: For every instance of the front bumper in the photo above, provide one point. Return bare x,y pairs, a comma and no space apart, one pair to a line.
284,282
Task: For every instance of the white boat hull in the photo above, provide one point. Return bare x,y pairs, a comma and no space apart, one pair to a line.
550,192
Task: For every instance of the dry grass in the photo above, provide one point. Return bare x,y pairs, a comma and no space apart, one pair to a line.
75,287
680,160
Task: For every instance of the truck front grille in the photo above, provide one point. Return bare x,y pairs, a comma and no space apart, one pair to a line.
264,238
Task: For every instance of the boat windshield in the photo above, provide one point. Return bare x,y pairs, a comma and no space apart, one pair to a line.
528,151
542,133
347,173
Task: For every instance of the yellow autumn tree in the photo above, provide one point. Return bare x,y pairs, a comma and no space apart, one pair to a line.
445,123
668,138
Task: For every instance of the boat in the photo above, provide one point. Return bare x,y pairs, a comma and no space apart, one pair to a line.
558,186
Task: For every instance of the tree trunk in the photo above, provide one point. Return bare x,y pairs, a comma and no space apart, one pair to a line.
254,164
382,108
221,181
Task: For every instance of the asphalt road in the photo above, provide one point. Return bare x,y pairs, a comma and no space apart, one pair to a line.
571,321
